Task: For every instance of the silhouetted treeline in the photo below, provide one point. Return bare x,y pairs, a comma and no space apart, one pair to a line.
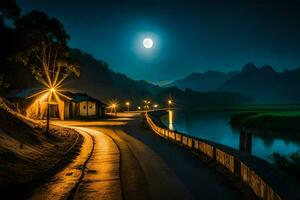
30,45
26,39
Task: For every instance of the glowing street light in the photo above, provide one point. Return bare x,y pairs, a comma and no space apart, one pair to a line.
170,103
52,80
113,108
127,104
139,107
52,91
155,106
147,104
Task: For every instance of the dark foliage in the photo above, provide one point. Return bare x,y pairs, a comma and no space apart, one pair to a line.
290,163
23,46
193,100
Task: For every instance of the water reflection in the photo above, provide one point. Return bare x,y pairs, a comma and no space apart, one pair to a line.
171,122
214,126
245,141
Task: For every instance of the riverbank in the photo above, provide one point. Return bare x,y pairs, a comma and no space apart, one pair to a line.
266,181
28,155
280,123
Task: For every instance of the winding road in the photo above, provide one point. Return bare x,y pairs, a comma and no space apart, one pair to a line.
121,159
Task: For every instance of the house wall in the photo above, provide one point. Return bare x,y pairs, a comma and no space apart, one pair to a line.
87,109
61,109
35,109
82,109
92,109
67,110
101,110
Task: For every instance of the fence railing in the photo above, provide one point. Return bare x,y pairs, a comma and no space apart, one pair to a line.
226,158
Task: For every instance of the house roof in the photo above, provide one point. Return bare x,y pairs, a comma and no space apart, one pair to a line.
25,93
75,97
80,97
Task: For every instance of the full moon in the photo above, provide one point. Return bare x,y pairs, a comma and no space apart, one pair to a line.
148,43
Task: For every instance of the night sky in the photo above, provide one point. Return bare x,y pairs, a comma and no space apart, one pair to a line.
188,37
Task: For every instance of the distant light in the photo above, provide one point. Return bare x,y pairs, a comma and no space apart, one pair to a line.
52,89
148,43
127,103
155,105
169,102
139,107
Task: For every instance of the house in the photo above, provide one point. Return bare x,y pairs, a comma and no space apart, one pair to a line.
69,106
83,106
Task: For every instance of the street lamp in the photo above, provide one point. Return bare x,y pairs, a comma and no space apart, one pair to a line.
147,104
155,106
51,91
170,103
114,108
127,104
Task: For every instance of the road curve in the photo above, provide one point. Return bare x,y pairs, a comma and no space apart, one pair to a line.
101,179
62,183
120,159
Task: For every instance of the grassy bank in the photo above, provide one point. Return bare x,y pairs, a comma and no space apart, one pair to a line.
273,121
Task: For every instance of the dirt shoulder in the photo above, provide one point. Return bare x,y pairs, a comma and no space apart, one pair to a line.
28,156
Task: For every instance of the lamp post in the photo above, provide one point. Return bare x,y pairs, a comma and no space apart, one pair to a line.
51,91
113,106
147,103
127,104
169,103
48,116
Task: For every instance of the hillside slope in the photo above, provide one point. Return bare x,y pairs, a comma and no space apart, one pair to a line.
27,154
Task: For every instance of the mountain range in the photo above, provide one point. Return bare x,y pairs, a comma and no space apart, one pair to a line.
263,84
208,81
98,80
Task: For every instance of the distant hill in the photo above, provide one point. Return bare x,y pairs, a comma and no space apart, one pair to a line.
98,80
265,84
150,88
101,82
204,82
262,84
193,100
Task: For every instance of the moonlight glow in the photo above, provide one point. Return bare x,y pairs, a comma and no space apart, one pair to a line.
148,43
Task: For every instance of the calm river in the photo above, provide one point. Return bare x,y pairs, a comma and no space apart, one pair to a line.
215,126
